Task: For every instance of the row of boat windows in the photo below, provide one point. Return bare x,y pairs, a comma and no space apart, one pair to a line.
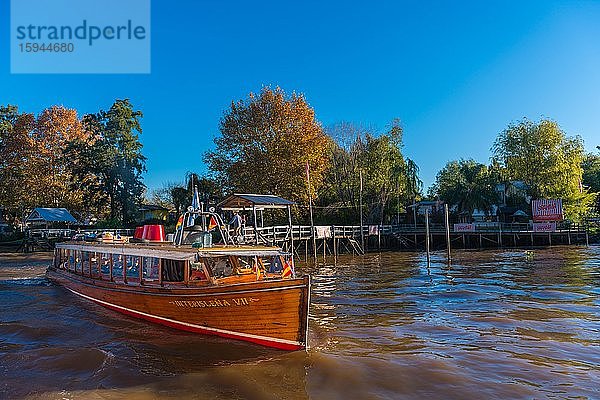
119,267
127,268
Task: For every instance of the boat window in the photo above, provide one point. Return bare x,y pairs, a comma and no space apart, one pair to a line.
133,267
117,267
151,268
95,264
78,265
85,262
71,259
172,270
197,272
105,266
64,259
220,267
276,264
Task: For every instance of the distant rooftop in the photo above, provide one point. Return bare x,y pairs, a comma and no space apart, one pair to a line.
51,215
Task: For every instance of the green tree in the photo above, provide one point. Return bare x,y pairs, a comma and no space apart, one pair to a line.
547,160
264,144
112,161
591,175
467,185
390,180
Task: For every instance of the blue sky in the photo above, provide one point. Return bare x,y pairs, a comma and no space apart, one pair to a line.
455,73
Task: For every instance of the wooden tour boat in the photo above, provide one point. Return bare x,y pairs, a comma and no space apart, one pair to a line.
248,293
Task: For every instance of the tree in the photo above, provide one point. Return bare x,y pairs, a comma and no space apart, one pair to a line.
112,161
33,171
16,146
54,129
467,185
547,160
389,178
264,144
591,175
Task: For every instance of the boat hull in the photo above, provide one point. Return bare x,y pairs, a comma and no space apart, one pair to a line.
269,313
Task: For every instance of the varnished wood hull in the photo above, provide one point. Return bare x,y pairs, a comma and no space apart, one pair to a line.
270,313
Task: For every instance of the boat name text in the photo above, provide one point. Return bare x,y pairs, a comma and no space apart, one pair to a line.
240,301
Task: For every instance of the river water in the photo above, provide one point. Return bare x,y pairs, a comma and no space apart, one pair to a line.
494,325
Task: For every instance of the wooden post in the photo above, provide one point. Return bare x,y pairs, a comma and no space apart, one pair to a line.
447,219
110,267
291,230
362,234
310,208
500,234
124,264
186,272
160,274
427,236
141,269
334,244
254,224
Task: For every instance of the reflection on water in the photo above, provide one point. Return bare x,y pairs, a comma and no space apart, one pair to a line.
493,325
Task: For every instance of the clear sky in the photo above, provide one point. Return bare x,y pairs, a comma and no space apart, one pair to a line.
455,72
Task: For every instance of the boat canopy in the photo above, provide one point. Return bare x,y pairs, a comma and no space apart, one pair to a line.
241,201
138,251
170,252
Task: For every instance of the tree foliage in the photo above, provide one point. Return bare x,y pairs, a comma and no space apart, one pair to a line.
33,172
390,180
467,185
591,175
111,162
547,160
264,144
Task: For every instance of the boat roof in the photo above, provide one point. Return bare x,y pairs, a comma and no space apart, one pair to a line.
244,201
169,251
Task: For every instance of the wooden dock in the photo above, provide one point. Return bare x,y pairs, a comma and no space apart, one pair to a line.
338,239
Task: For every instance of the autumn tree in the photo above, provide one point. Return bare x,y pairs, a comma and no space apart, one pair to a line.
54,129
547,160
466,185
264,144
33,172
16,146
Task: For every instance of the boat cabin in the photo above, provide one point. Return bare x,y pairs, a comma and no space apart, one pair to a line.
142,264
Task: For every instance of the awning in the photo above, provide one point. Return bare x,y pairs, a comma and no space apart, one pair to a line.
238,202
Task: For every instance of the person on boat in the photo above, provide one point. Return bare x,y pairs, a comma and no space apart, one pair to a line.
236,223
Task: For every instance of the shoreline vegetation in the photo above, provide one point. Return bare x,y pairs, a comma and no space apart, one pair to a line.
93,166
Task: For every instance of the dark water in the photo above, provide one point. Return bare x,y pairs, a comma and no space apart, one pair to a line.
494,325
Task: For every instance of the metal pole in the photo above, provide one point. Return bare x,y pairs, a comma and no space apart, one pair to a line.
427,236
362,234
447,233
